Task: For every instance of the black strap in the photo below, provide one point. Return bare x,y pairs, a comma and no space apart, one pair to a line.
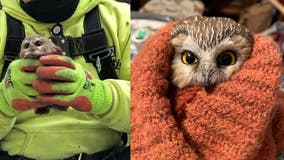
92,45
92,20
96,49
15,36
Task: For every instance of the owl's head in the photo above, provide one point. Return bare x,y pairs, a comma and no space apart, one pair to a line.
208,50
35,46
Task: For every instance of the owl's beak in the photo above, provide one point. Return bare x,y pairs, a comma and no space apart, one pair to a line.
207,83
32,48
207,71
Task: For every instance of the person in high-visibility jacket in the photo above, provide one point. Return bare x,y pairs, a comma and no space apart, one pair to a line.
96,116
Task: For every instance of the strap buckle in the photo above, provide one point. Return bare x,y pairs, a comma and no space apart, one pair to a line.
62,42
97,58
102,54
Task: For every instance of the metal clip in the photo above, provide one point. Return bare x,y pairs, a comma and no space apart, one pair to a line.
62,42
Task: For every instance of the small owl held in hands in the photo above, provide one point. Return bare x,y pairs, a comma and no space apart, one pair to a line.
208,50
35,46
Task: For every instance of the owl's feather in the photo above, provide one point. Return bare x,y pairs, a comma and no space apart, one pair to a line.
208,38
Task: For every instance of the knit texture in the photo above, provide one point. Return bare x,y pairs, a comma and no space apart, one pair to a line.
239,119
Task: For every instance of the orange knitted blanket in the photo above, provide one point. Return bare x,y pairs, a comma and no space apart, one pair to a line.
241,119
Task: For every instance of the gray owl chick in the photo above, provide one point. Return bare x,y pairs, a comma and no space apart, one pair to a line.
36,46
208,50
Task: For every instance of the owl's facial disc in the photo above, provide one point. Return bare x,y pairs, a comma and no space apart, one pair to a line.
208,50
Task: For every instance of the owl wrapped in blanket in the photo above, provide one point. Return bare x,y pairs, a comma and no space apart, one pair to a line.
177,115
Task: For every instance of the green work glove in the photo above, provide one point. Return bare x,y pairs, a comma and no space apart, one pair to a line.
16,89
64,82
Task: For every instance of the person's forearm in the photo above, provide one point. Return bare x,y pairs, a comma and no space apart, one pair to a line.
118,117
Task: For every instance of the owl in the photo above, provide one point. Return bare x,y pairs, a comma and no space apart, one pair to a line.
35,46
208,50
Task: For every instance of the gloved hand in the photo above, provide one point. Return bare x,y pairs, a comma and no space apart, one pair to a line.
64,82
16,90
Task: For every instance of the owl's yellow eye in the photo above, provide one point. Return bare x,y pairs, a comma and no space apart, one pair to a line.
188,57
227,58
